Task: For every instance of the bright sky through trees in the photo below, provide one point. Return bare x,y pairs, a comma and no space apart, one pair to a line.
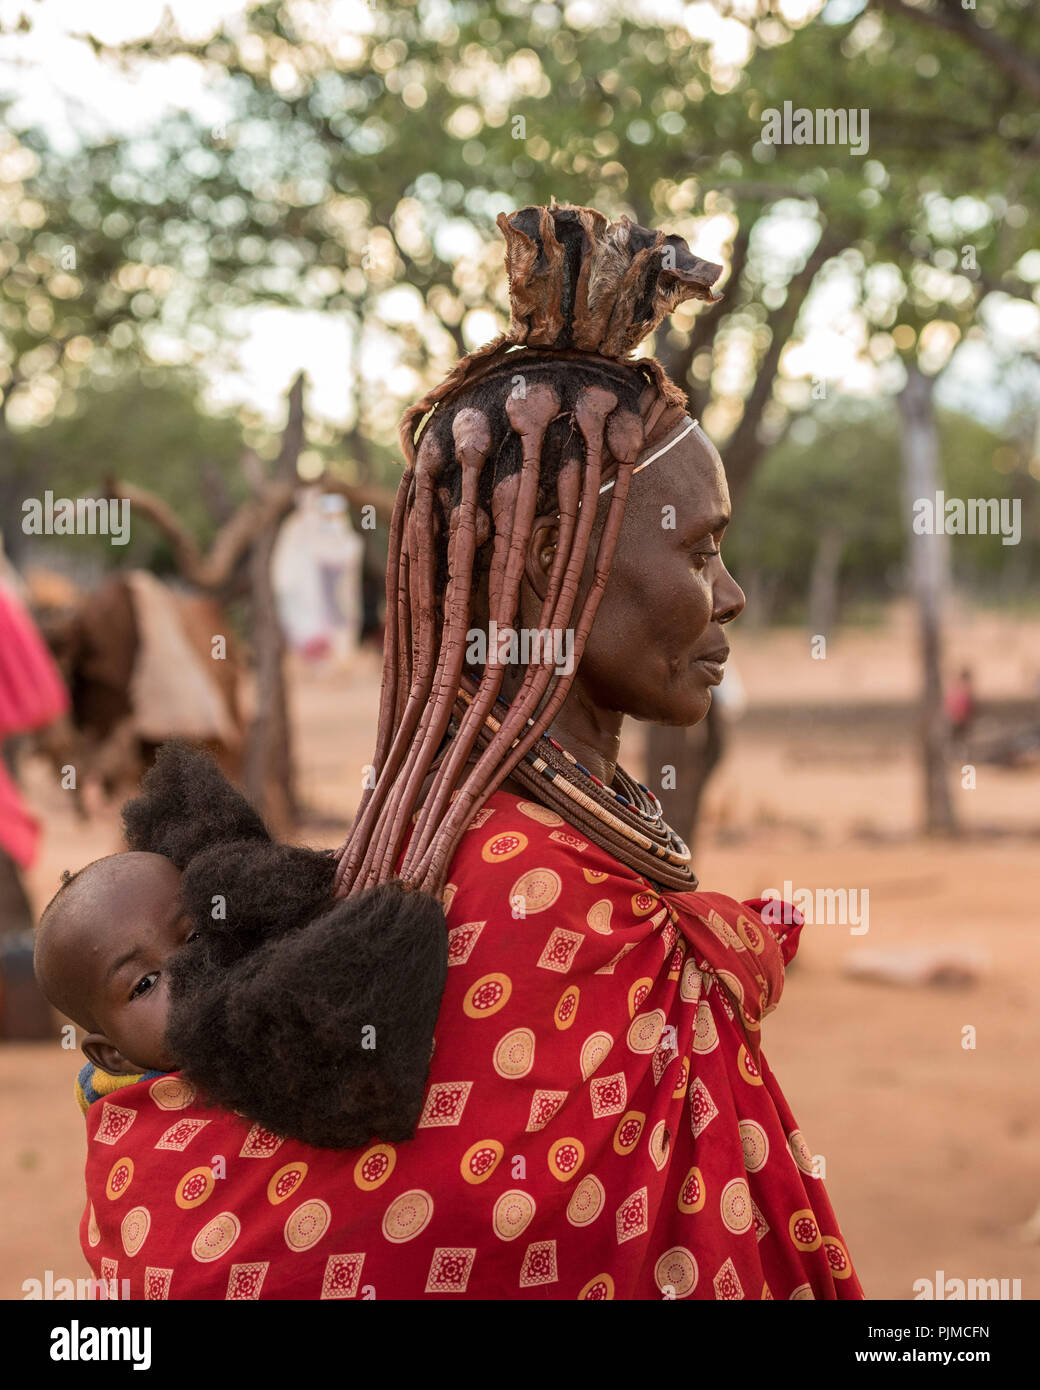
61,85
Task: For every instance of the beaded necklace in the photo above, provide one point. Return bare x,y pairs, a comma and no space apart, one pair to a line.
628,823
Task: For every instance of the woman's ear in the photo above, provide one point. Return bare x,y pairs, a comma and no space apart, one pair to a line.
541,552
98,1049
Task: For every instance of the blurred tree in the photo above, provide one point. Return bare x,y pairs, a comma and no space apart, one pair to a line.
930,238
1004,48
71,296
843,471
138,425
923,243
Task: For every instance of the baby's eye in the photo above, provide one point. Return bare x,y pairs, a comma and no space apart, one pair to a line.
144,984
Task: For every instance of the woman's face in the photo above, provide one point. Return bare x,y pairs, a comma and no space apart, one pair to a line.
657,645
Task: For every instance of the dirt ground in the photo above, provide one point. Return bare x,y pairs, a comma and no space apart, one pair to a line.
932,1147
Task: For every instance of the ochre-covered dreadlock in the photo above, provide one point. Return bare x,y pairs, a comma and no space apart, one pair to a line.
533,422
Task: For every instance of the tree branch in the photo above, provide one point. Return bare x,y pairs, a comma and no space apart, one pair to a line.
949,16
708,322
270,506
292,437
744,446
213,571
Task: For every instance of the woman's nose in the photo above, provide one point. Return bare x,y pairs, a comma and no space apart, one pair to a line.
728,598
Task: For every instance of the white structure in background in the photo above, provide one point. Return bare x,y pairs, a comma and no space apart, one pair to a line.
316,573
731,696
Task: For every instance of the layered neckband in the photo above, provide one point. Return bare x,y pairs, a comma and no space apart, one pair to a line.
625,819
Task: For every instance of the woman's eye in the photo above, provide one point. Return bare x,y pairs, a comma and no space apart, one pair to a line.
144,985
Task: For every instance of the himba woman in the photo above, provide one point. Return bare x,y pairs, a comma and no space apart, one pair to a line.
598,1121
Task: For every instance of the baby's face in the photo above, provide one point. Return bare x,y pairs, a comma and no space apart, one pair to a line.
107,953
142,925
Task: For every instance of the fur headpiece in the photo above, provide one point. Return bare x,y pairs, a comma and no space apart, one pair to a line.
579,281
583,286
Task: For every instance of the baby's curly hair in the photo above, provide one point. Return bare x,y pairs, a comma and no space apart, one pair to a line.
313,1017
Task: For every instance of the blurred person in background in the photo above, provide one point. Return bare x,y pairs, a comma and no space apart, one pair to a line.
961,707
317,572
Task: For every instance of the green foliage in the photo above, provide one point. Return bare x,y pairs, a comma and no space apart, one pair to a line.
845,476
146,429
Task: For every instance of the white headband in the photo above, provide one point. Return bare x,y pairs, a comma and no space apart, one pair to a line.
683,432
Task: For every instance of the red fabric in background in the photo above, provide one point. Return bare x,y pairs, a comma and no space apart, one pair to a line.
599,1121
31,690
31,696
19,828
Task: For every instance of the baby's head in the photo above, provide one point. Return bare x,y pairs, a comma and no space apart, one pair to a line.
102,947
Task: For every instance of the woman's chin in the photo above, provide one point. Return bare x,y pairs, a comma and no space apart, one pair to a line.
695,698
700,704
688,708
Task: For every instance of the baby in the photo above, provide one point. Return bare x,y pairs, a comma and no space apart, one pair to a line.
102,950
209,949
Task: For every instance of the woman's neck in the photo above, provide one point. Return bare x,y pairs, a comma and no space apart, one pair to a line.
585,729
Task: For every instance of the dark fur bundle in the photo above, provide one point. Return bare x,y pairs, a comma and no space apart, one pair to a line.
269,1002
324,1033
186,804
246,892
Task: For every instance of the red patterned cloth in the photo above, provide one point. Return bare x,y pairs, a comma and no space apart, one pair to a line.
599,1120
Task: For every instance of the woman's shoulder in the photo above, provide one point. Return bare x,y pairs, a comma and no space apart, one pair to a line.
509,826
526,881
531,854
525,857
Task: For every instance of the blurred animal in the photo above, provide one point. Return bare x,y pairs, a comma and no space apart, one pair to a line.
142,666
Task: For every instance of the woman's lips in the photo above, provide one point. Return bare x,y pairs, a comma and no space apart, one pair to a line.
713,665
713,670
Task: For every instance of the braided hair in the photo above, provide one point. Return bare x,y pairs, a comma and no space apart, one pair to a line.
536,419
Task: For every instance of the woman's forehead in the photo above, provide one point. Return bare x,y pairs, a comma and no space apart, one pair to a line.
689,477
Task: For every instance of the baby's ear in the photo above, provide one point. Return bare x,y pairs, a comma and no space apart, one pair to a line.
98,1049
186,805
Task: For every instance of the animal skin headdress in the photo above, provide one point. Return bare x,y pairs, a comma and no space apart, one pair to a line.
480,454
580,283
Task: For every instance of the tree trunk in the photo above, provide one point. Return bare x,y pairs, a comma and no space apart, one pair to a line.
823,582
270,771
691,756
929,579
12,493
